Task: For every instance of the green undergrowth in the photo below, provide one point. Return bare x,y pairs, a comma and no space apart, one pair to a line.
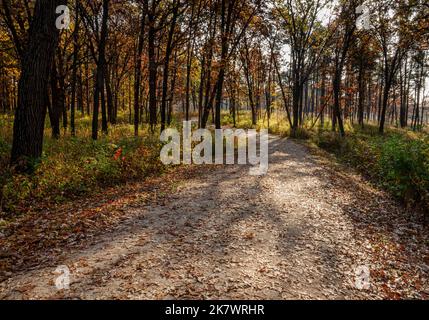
76,166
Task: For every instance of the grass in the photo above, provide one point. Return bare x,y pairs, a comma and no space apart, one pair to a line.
75,166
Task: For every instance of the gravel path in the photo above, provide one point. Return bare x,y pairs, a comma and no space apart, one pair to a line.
299,232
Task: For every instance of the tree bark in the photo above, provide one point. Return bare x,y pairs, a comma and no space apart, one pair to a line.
31,111
99,82
74,74
138,73
168,51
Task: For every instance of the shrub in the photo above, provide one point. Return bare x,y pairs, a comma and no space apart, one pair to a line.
404,164
71,166
396,162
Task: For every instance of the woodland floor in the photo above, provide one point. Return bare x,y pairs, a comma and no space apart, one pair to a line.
219,233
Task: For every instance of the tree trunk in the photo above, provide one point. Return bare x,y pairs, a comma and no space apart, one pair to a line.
55,108
152,66
31,111
99,82
74,74
138,73
168,50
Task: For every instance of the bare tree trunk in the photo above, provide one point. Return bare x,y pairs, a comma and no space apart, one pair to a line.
99,82
152,65
138,73
168,50
74,75
56,107
31,111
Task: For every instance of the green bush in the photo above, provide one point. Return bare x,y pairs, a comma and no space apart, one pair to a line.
395,161
404,164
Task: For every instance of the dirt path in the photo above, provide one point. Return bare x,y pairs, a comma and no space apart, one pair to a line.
299,232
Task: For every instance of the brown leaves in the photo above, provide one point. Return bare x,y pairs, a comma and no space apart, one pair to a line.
40,236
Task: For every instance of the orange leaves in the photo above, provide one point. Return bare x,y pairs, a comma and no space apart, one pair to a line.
118,154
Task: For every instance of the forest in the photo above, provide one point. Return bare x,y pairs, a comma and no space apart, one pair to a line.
88,86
